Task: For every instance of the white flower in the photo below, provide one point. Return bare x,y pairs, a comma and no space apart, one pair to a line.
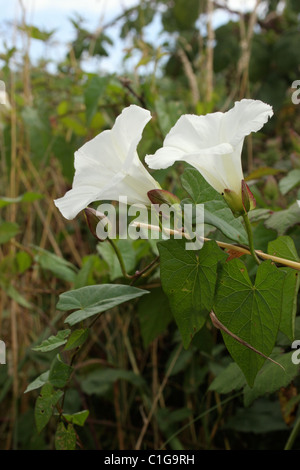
4,99
213,143
108,166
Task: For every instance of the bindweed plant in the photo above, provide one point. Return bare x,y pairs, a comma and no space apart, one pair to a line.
203,251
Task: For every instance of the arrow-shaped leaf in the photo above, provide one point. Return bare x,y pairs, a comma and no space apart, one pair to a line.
252,312
92,300
188,279
284,247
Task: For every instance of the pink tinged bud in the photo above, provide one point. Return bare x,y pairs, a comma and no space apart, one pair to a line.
161,196
166,205
92,217
249,201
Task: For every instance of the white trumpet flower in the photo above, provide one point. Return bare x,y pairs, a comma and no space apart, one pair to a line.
213,145
108,166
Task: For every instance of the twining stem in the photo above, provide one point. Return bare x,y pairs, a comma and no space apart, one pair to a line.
147,270
216,322
143,273
250,238
228,246
120,258
293,435
92,216
200,416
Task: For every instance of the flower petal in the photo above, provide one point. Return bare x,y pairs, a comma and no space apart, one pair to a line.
167,156
81,195
108,166
110,148
128,131
220,171
245,117
191,137
193,133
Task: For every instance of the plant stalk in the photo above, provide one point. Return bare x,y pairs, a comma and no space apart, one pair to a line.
120,258
227,246
250,238
293,435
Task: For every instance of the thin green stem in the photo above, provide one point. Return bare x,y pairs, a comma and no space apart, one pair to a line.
293,435
202,415
250,238
120,259
147,270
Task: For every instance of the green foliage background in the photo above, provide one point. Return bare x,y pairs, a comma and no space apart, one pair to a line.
133,364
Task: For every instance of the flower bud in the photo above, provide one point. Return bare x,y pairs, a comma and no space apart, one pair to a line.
240,203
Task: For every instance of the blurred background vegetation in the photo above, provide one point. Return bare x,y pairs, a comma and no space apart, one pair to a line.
127,374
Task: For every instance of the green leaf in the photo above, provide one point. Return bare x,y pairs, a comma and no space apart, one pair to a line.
108,254
216,211
31,197
99,381
168,112
282,220
77,418
27,197
17,297
44,405
289,302
153,321
90,264
271,377
38,130
23,261
268,380
53,342
188,279
230,379
261,172
8,230
38,382
252,312
58,266
259,214
182,362
290,181
76,124
179,18
65,437
59,372
92,300
94,90
77,338
37,33
262,235
284,247
261,418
